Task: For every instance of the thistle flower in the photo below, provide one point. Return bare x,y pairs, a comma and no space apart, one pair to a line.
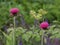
44,25
14,11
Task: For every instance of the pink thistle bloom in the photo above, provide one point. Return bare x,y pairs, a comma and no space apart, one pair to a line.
44,25
14,11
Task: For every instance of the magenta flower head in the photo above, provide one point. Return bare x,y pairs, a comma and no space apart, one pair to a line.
44,25
14,11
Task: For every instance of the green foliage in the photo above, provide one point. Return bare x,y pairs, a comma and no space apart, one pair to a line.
26,35
25,6
31,36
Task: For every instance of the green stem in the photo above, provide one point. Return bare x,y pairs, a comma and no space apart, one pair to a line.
14,32
42,38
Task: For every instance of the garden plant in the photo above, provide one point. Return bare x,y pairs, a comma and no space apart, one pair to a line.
33,22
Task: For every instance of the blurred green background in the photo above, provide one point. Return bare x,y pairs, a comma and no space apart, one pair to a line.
25,6
52,6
